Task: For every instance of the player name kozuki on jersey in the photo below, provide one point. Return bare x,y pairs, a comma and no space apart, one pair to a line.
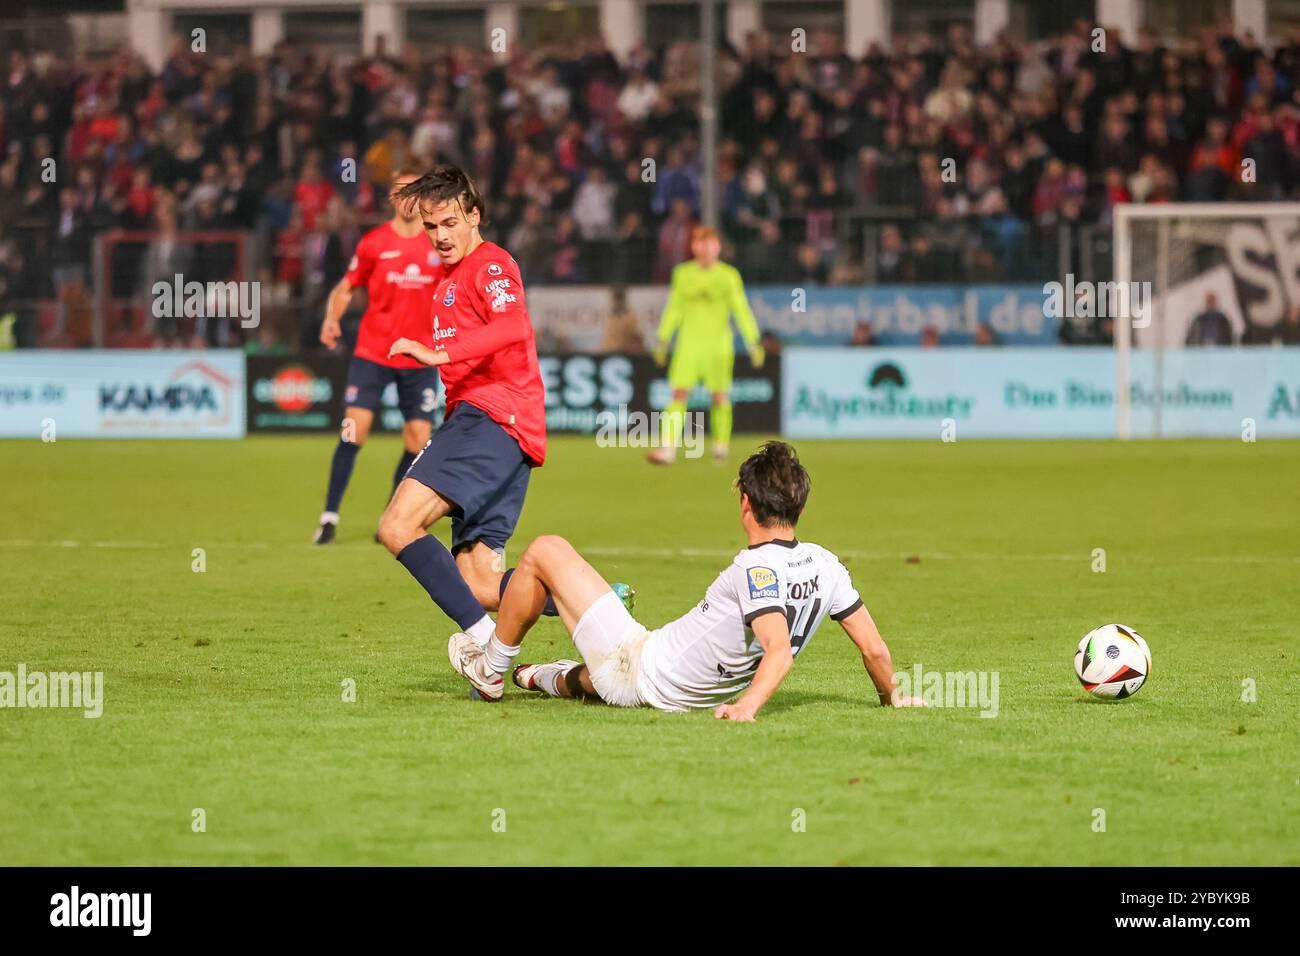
480,319
710,653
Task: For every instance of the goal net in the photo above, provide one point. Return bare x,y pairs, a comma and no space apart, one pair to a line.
1196,276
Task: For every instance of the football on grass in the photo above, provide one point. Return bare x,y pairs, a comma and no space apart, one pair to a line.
1113,662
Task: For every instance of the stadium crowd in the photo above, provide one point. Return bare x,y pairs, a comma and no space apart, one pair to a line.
959,163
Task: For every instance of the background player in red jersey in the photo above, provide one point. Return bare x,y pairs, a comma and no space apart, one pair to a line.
399,270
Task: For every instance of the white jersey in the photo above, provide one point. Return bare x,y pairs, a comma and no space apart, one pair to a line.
710,654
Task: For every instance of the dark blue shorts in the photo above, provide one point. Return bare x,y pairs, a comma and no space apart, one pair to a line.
479,468
417,388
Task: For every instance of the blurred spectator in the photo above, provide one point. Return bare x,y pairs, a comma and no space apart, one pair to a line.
674,240
1213,164
623,331
863,334
70,257
1210,326
566,254
165,258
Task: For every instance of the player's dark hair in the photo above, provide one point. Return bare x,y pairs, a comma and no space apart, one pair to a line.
443,183
775,483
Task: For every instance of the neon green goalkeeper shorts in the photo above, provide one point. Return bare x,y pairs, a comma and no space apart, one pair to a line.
713,367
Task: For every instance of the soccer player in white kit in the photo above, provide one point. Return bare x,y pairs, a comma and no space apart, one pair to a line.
741,639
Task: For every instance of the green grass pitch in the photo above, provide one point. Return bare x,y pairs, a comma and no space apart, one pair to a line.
223,689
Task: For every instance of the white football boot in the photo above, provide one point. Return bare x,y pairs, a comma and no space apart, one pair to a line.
526,676
470,662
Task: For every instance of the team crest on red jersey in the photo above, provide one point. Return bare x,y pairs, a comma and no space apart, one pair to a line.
450,297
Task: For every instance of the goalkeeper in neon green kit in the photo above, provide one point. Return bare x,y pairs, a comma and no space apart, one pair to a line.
705,293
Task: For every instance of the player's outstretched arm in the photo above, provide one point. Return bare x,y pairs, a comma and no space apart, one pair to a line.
862,630
745,321
773,633
339,299
418,351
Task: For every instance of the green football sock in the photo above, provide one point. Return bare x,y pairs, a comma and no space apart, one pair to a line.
721,424
670,427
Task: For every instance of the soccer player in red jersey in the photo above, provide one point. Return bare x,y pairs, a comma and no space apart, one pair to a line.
399,270
476,466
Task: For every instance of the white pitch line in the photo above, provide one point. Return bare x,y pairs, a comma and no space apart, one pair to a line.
937,556
604,551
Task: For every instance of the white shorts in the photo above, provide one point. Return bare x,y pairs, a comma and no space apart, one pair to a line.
610,641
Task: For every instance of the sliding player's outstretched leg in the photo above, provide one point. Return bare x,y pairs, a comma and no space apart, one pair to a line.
562,678
549,568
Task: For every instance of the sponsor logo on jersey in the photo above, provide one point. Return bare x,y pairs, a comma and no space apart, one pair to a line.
409,278
450,297
494,269
440,333
763,583
502,299
390,254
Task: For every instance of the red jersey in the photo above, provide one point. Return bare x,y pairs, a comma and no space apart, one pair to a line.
399,274
481,321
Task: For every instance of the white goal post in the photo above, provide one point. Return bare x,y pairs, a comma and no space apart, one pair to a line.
1237,262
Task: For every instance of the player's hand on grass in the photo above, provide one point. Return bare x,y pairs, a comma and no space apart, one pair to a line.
330,331
757,355
733,712
661,354
418,351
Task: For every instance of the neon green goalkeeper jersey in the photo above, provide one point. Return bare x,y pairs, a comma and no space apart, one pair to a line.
700,302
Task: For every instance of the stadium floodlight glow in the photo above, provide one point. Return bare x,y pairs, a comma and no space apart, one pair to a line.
1186,252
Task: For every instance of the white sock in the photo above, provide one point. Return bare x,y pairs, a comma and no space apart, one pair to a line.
482,630
329,517
548,679
500,655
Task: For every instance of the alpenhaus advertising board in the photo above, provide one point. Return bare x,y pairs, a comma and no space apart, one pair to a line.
1037,393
